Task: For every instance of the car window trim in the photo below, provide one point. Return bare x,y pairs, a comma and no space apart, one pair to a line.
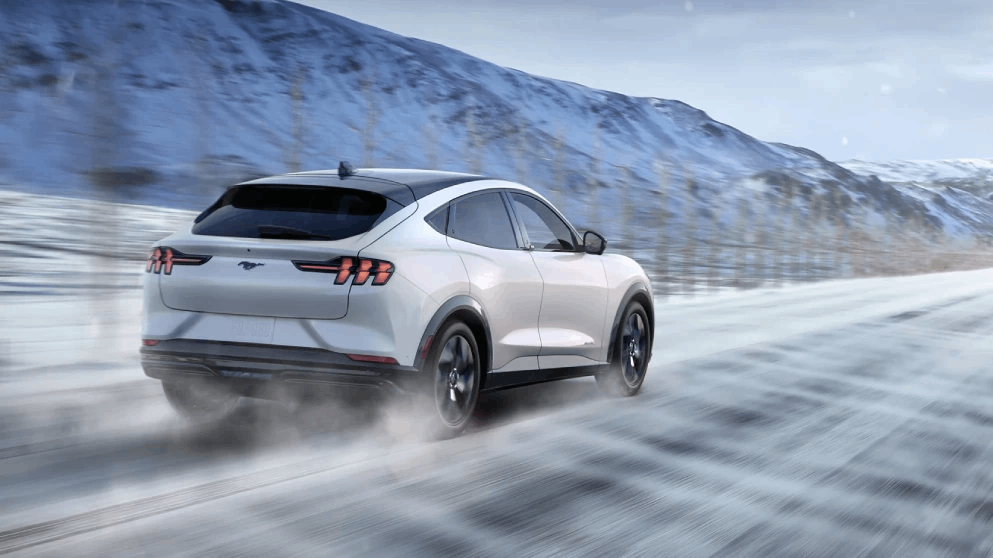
447,209
510,217
523,242
577,245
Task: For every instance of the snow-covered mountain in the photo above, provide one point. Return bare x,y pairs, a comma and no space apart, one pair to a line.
960,188
972,175
168,100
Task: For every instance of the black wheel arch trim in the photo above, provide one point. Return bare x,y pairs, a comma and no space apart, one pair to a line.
633,292
446,311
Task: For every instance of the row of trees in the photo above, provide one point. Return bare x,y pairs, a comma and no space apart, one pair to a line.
694,239
692,235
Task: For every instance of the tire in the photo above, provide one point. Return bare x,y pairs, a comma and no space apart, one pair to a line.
198,401
454,370
629,362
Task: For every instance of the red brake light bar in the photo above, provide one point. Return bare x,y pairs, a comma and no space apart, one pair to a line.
341,267
162,258
344,268
372,358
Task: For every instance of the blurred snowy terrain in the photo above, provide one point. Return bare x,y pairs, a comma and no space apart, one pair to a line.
837,419
842,418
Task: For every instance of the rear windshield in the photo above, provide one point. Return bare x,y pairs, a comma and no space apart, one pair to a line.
294,212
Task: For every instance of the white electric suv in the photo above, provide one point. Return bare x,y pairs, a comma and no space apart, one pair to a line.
412,282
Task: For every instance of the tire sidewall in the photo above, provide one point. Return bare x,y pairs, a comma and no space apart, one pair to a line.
613,381
439,427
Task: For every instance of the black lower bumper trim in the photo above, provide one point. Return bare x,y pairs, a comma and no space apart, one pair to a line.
265,365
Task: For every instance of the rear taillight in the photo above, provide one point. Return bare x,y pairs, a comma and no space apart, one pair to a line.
149,342
373,358
341,267
154,260
344,268
162,258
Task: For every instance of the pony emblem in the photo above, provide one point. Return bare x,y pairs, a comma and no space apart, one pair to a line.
248,266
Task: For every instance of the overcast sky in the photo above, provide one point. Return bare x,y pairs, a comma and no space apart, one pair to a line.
879,80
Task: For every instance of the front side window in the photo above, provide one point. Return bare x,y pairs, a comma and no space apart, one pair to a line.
482,219
545,230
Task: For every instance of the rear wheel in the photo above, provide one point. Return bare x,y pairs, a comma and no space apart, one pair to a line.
455,371
629,362
199,401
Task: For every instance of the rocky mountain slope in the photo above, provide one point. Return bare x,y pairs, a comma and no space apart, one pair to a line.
972,175
166,101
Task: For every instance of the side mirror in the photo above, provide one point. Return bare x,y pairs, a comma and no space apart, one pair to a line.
593,243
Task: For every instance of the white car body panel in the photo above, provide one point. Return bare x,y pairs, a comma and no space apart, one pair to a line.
508,286
544,310
423,257
622,274
379,323
572,308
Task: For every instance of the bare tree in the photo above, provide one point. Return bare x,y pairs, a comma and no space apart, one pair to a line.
739,268
875,247
431,139
372,117
839,235
593,217
628,229
689,242
108,136
866,244
295,159
812,240
785,218
521,150
662,232
197,54
473,157
762,234
714,250
846,222
829,236
560,179
793,235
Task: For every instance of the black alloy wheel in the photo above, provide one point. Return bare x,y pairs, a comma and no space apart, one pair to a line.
632,348
455,363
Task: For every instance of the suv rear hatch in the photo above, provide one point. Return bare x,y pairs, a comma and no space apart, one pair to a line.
253,234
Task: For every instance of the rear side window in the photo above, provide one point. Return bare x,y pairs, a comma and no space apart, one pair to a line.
439,220
294,212
482,219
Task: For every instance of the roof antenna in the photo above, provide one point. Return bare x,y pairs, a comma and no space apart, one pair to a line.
345,169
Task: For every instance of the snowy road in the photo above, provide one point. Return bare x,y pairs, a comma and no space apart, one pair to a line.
839,419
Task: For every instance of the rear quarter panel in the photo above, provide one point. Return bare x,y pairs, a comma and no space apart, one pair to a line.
421,255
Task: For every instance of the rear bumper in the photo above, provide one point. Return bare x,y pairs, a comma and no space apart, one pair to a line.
254,369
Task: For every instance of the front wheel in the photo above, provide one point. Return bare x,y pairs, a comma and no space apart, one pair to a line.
454,366
629,362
